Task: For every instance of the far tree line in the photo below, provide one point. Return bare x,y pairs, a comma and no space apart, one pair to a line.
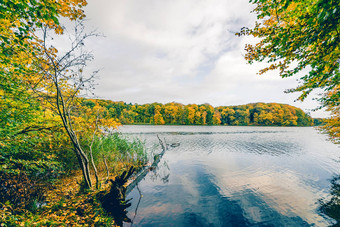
265,114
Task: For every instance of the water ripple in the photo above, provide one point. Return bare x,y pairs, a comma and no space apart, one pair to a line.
239,176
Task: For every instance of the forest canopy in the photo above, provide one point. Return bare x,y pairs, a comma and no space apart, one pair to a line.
266,114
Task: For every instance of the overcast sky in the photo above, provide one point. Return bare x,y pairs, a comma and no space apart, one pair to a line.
183,51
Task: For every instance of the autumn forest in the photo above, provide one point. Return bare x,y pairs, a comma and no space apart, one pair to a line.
61,161
265,114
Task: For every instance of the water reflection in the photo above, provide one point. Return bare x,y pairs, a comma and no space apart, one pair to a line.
237,177
161,172
198,201
331,207
137,206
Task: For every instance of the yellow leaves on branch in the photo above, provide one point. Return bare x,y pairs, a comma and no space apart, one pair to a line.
90,120
72,8
332,126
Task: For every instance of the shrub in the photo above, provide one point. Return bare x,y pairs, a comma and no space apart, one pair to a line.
19,191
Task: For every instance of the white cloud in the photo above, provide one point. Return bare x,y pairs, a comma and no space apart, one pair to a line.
183,51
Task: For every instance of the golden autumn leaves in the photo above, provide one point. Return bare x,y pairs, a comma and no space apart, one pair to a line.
298,37
192,114
301,38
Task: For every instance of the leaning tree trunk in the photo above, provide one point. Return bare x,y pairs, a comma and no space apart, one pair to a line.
64,113
61,72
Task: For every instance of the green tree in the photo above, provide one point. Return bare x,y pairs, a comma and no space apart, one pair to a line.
227,115
25,124
299,37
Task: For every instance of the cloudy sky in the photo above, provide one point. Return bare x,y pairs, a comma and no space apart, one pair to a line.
183,51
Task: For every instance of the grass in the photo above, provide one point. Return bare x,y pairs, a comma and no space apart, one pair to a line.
65,203
119,153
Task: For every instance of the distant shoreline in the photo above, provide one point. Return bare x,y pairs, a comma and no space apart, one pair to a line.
253,114
283,126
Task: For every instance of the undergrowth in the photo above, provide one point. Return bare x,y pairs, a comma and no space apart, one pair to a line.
26,201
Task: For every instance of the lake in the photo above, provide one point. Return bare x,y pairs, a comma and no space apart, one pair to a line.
236,176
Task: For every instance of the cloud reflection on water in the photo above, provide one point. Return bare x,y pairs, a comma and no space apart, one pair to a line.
231,177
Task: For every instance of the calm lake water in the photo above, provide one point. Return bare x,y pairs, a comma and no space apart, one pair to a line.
236,176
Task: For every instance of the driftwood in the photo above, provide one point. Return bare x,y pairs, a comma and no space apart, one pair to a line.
166,144
146,170
114,202
175,144
161,143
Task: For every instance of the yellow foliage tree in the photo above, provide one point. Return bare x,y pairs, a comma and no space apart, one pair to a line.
158,118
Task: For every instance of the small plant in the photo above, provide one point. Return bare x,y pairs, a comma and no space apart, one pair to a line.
118,152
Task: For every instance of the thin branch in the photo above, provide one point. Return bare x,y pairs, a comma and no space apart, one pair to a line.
91,155
107,169
140,198
33,129
161,143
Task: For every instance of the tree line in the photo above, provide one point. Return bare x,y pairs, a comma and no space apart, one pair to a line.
261,114
45,129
